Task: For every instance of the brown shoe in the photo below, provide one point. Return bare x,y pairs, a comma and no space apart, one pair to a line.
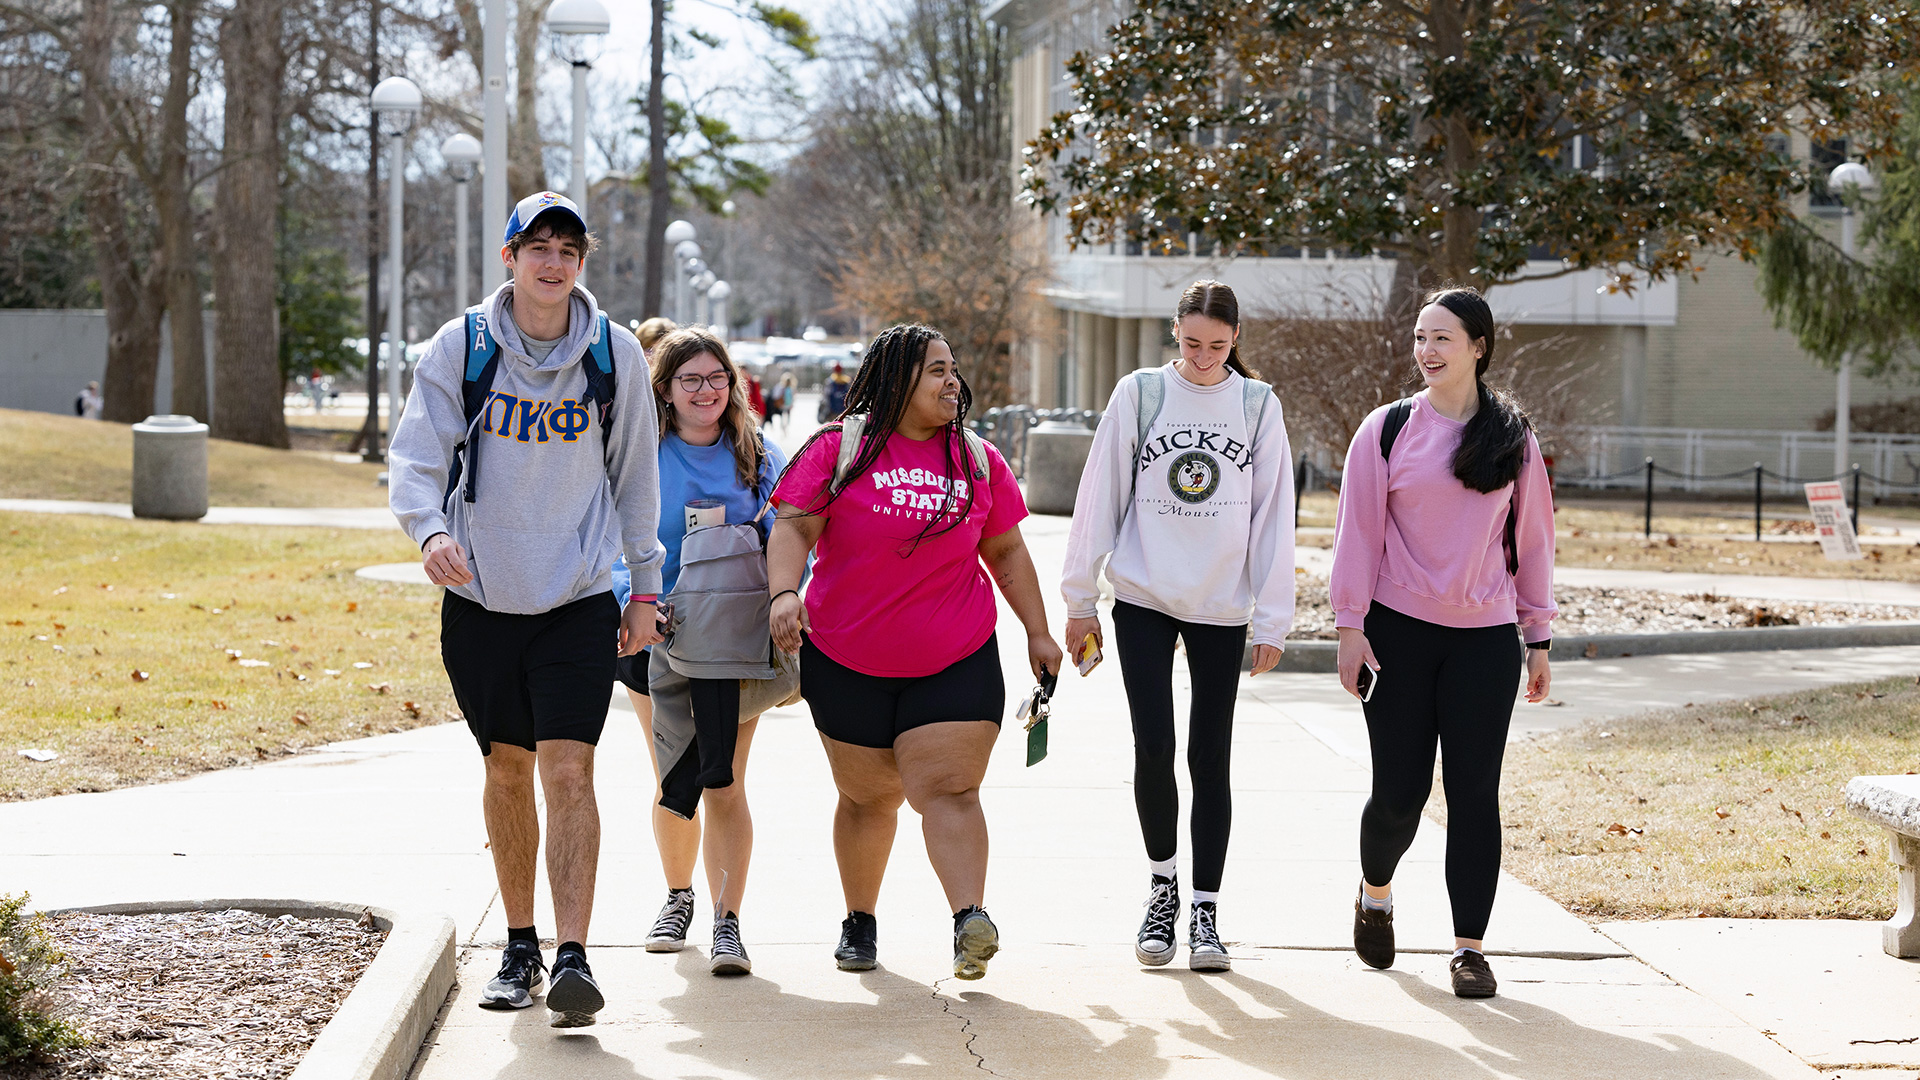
1373,935
1472,977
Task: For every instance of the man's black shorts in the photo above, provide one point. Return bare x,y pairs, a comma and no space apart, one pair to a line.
521,679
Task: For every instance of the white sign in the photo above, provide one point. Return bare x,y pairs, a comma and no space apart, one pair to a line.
1829,505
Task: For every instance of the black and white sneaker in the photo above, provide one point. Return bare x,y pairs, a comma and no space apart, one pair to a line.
1204,950
521,973
859,948
669,933
574,997
1155,945
975,940
728,956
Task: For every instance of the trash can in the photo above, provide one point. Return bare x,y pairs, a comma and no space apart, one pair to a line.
170,468
1056,456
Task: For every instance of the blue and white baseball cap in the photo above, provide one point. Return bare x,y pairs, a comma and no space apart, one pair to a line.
536,204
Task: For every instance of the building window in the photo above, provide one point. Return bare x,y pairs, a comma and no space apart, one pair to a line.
1822,158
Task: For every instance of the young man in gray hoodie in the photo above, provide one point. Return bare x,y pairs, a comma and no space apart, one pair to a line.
519,510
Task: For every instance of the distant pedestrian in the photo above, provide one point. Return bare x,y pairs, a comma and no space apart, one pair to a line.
1187,500
317,389
899,662
1444,542
833,397
788,389
88,403
560,413
653,330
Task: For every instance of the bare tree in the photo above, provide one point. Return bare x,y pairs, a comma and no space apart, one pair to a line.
179,256
246,324
903,199
1341,351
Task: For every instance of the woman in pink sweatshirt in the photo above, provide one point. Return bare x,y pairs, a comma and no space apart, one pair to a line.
1444,543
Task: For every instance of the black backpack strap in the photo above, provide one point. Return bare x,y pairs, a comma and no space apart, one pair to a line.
1397,415
1513,549
476,385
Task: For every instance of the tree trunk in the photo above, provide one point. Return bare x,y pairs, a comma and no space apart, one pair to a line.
249,405
178,253
526,157
659,191
127,293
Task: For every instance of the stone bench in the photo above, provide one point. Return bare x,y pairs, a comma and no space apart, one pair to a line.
1893,803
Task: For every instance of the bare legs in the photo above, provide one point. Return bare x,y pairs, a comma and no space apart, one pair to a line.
937,768
565,768
726,832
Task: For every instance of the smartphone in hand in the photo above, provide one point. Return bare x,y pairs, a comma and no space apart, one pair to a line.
1088,655
1366,681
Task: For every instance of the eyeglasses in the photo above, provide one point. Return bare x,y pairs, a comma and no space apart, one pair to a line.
718,380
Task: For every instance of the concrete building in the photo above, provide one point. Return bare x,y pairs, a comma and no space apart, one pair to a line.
1699,352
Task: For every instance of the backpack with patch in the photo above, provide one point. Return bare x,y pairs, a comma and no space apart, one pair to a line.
483,362
853,430
1397,415
1152,384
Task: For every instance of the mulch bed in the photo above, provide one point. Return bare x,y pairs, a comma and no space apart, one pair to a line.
1585,610
210,995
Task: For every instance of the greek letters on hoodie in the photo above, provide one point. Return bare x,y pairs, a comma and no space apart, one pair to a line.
552,508
1206,533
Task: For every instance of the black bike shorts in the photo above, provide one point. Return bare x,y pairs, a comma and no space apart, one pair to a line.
872,710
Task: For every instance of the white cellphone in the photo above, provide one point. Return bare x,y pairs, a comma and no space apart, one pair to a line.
1367,681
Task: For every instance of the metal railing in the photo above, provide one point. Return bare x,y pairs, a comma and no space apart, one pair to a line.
1706,459
1006,428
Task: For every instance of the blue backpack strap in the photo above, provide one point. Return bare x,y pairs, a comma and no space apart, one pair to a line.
599,368
476,385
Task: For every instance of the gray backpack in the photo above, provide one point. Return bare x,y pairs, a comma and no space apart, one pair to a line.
720,603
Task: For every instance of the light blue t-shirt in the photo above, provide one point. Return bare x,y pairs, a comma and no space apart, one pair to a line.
689,472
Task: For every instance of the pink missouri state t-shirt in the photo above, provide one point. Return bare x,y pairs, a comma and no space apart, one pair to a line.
880,603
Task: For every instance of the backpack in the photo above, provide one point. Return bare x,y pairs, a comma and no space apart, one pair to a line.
1397,416
852,433
1153,397
483,362
720,604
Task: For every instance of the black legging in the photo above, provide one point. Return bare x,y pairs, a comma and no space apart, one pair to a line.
1144,639
1455,687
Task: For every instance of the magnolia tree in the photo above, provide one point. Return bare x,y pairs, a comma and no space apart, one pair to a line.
1468,138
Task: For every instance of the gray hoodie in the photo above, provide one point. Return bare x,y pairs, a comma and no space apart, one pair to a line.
549,513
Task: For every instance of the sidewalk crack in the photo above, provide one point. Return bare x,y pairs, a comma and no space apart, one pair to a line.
966,1028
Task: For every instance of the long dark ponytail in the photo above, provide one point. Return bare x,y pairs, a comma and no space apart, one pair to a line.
1494,445
1215,300
889,373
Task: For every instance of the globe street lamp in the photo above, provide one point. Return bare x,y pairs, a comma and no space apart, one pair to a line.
579,27
701,282
398,101
462,152
717,295
1850,181
683,252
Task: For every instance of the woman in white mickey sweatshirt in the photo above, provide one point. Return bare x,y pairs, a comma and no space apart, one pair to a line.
1193,521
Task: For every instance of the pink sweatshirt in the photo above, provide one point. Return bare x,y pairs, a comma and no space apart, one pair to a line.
1413,537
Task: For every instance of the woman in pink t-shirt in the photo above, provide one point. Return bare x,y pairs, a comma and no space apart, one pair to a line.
899,661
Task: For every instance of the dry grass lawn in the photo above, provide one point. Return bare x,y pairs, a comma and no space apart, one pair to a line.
1728,810
142,651
65,457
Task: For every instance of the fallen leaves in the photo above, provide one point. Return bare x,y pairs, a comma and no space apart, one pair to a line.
140,676
34,753
284,618
381,687
411,709
1722,813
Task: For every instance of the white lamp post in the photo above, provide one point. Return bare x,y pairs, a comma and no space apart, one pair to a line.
399,101
579,27
701,282
717,295
1851,181
462,152
493,178
684,252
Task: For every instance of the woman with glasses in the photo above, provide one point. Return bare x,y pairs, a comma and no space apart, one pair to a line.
710,452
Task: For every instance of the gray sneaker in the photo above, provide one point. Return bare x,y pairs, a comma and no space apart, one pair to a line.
975,940
521,973
728,956
574,996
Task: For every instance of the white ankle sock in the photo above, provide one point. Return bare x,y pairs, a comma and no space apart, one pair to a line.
1464,949
1205,897
1383,904
1166,868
